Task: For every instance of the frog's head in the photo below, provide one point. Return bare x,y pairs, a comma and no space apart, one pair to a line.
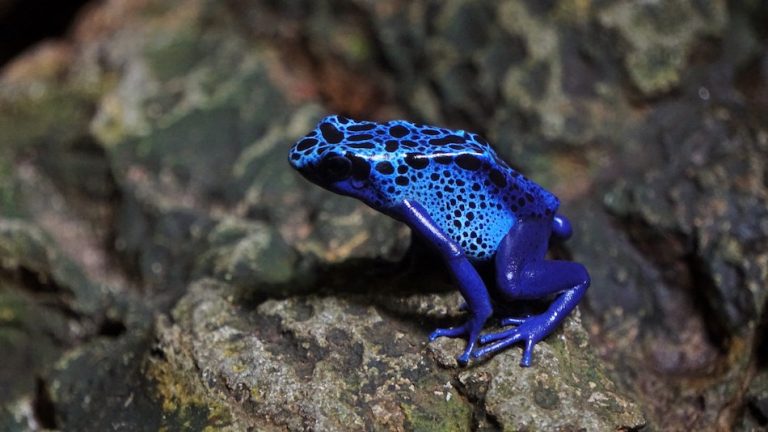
331,157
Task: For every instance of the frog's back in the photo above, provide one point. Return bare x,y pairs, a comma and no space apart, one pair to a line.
473,195
470,193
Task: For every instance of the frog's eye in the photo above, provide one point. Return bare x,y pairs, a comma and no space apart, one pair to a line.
335,168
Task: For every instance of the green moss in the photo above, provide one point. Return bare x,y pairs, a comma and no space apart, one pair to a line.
546,397
440,410
174,57
58,115
182,401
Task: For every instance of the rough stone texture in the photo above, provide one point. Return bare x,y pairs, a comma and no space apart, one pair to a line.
173,272
345,363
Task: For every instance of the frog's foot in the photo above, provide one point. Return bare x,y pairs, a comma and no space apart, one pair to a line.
490,337
529,330
468,329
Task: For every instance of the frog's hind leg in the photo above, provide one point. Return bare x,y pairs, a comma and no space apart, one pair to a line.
524,273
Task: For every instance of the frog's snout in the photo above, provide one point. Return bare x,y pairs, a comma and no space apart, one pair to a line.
331,168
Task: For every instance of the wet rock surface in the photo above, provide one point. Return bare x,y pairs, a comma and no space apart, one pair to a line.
162,267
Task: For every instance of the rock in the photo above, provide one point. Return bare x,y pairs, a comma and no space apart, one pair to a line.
46,299
659,38
163,126
343,363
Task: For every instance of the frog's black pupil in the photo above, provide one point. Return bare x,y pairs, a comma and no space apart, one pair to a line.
335,168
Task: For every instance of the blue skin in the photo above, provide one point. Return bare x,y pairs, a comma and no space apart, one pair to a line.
452,189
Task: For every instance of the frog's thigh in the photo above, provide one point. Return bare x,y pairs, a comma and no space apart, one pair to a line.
522,272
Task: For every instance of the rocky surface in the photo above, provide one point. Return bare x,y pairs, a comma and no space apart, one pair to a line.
162,267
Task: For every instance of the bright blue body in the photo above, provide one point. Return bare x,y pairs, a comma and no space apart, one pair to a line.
453,191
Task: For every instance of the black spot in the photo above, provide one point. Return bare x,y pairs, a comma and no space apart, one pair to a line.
385,168
408,143
361,169
498,178
391,189
399,131
460,182
391,146
361,127
402,180
402,169
450,139
470,215
434,177
468,162
457,213
365,145
295,156
520,201
475,187
342,119
457,224
529,197
480,139
306,143
443,159
430,132
416,160
331,134
361,137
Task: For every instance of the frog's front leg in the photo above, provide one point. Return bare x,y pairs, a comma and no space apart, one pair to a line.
470,284
524,273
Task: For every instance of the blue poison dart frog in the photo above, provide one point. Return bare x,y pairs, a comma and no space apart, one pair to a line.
454,192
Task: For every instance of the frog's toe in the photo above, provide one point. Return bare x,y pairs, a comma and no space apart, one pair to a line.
491,337
463,359
527,353
506,338
512,321
451,332
502,341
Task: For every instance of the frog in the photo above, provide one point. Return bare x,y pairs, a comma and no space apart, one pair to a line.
469,206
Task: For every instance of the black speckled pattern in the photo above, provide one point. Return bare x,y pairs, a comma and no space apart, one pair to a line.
472,194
